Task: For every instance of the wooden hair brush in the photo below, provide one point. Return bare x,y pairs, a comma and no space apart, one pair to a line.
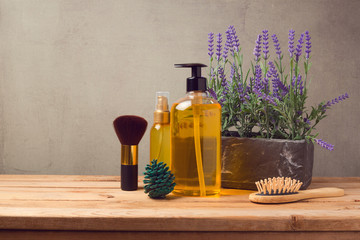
283,190
129,129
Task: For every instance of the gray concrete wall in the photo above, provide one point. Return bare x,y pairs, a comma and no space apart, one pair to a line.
68,68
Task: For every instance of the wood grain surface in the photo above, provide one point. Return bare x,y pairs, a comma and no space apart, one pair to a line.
96,203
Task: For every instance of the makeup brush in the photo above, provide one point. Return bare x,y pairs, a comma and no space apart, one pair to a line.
129,129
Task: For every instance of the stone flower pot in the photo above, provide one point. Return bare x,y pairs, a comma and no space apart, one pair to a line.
247,160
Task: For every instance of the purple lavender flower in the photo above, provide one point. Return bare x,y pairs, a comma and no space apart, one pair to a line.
265,82
279,89
334,101
248,91
307,127
277,45
221,74
284,89
308,44
257,48
299,47
224,83
258,74
228,44
218,46
298,83
265,97
230,35
275,83
265,44
226,50
252,83
241,92
232,72
324,144
211,44
293,80
291,42
235,38
214,96
212,93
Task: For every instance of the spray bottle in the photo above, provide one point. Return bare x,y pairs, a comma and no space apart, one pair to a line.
160,131
195,135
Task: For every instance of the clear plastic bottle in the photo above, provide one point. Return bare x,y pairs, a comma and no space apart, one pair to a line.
160,131
196,139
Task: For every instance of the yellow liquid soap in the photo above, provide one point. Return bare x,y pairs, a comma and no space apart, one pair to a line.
195,145
160,142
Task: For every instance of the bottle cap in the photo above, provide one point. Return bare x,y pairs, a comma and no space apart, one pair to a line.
196,82
162,114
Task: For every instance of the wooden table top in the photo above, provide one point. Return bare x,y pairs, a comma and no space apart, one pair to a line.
96,203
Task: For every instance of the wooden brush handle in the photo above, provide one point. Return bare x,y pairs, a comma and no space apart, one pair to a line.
322,192
312,193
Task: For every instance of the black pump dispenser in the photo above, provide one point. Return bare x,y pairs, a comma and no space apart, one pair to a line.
196,82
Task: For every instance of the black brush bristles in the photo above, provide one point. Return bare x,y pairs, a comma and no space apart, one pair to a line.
130,129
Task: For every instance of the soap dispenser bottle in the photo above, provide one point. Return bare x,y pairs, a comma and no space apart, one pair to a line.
195,138
160,131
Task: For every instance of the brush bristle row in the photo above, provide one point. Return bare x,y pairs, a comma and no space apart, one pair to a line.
279,185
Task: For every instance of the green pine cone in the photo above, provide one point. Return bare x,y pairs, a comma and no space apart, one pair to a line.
159,181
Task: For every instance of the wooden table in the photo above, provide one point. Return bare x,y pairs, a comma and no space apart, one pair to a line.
93,207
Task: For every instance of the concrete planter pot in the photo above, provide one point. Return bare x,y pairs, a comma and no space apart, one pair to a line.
247,160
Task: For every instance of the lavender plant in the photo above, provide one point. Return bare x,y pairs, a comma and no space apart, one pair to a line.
265,101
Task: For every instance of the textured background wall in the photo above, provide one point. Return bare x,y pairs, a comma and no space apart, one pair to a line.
68,68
